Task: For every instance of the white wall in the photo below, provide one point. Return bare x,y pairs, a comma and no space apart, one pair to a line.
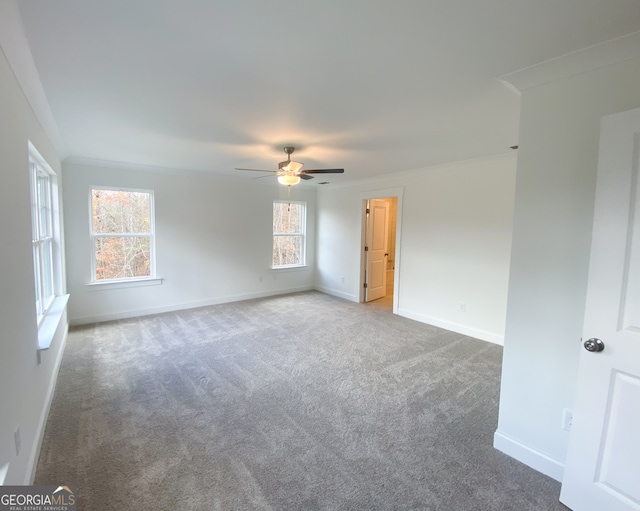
25,384
213,242
455,243
555,187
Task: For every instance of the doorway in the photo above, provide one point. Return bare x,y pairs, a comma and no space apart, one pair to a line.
379,267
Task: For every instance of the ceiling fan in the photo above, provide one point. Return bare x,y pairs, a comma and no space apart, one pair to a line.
290,172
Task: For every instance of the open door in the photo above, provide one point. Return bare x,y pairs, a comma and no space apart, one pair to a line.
602,471
376,249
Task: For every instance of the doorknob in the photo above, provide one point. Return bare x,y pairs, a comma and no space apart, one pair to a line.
594,345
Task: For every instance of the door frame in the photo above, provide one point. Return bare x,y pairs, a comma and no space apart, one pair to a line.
385,193
377,252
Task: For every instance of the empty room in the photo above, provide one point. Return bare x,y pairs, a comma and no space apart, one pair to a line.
353,255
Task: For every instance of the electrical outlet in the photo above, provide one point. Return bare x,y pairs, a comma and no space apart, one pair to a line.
342,279
567,419
16,438
462,306
260,279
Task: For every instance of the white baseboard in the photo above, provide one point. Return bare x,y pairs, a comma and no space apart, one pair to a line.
483,335
182,306
335,292
530,457
32,463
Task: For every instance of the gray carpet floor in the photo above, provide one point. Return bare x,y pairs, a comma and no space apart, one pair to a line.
295,402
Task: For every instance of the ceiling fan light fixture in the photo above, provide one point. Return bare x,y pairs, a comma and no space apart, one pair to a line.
290,172
291,166
288,180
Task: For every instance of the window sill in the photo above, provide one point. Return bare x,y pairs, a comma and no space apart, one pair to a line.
51,321
297,267
119,284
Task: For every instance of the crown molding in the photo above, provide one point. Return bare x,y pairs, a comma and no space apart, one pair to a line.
394,177
586,59
14,44
82,161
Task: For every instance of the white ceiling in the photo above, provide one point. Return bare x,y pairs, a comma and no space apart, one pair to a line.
371,86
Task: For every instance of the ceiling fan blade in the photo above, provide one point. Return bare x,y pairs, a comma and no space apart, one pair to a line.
260,177
259,170
323,171
304,176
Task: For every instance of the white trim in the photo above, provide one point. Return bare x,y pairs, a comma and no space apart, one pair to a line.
49,314
530,457
151,234
339,294
32,464
104,285
284,269
232,177
15,45
114,164
175,171
301,234
483,335
398,193
391,179
600,55
182,306
51,321
44,231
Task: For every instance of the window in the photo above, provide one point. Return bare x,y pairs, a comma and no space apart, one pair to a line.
289,220
42,232
122,229
50,302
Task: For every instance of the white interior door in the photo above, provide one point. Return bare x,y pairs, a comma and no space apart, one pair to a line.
377,235
602,472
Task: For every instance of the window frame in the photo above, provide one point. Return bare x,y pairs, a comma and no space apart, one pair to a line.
302,235
51,310
42,233
103,283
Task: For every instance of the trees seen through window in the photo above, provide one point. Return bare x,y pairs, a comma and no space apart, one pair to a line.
289,219
122,234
